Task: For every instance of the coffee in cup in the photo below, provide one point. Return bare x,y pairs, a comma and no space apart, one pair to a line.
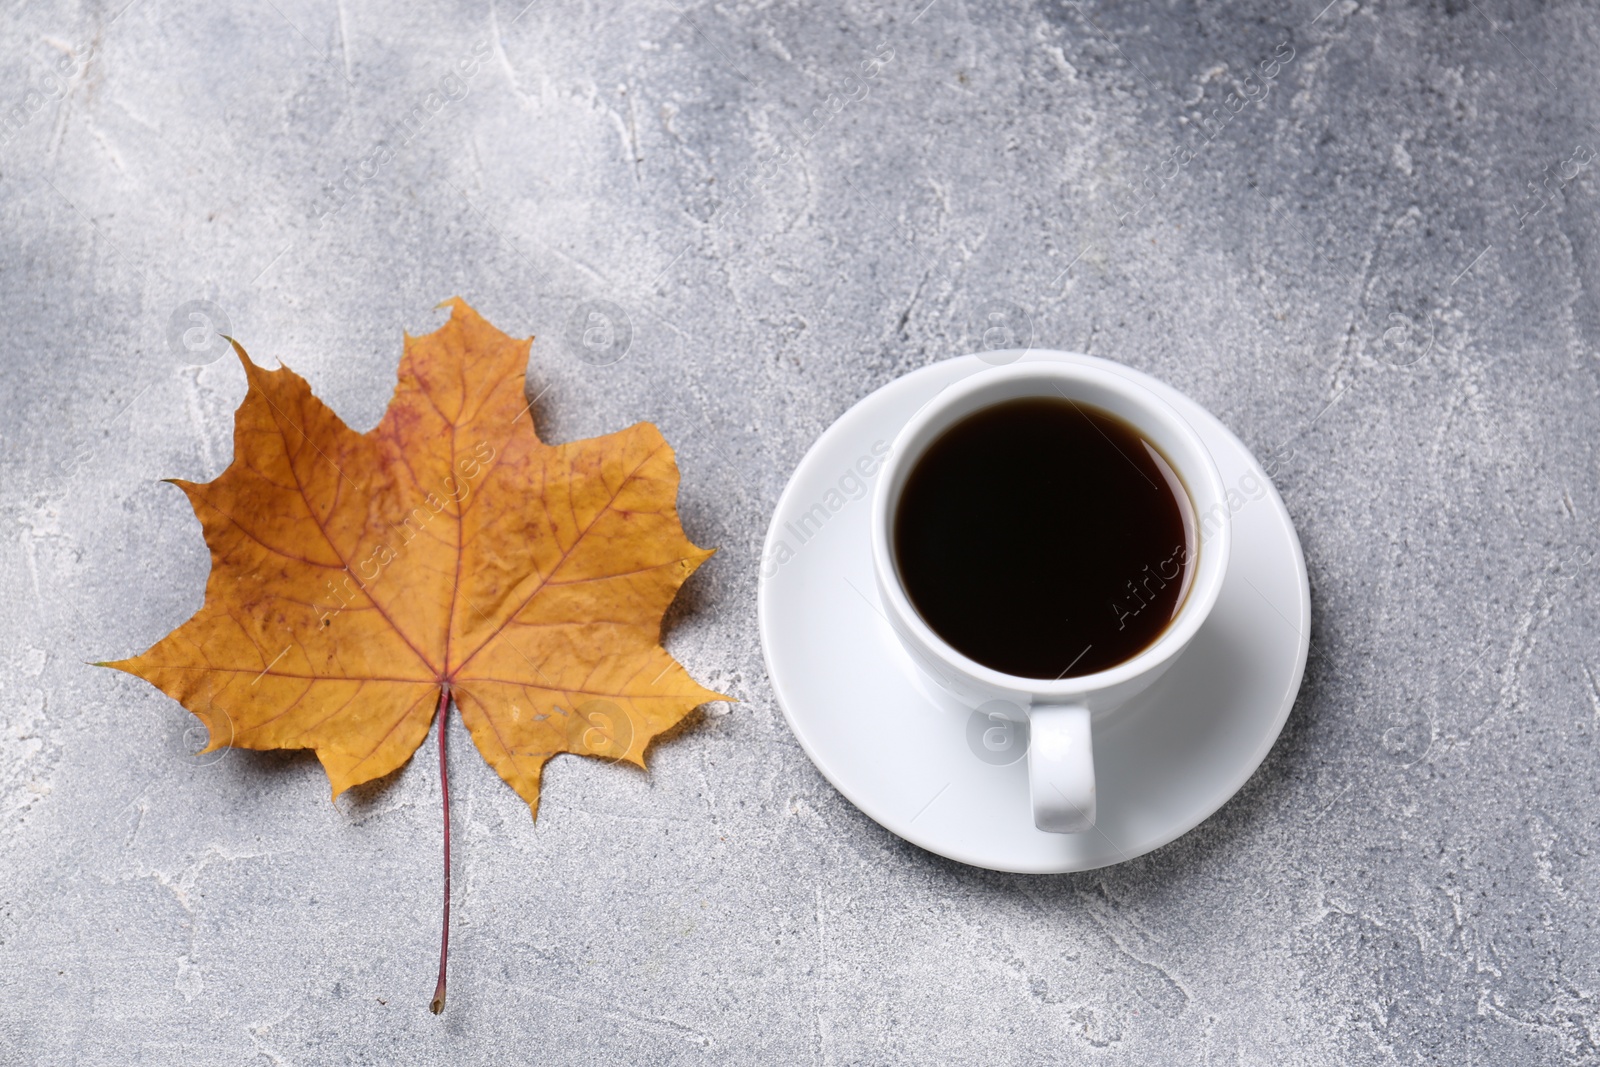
1045,537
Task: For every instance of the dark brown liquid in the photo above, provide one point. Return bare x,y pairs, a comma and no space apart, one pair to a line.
1045,538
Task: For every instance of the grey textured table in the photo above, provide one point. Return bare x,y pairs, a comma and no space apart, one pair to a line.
1364,235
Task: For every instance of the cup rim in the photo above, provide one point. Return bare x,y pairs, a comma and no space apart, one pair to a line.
1198,472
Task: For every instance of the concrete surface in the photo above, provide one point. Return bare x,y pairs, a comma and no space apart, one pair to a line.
1377,262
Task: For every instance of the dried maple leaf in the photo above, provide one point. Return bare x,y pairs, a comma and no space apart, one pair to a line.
361,582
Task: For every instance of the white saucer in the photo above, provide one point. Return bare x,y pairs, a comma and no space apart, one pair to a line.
910,760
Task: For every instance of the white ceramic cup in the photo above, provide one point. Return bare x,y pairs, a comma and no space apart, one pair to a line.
1060,750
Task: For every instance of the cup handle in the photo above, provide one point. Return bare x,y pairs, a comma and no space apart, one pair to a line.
1061,768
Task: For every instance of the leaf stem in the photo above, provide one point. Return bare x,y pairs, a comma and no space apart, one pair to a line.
437,1005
